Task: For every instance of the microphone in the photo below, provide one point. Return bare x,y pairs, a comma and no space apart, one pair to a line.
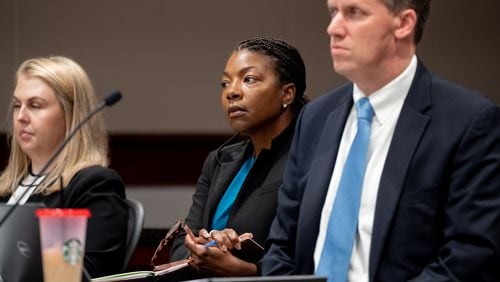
112,98
108,101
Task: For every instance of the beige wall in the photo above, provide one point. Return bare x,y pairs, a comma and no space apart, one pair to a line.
166,56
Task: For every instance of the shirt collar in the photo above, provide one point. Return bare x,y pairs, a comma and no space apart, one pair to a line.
391,96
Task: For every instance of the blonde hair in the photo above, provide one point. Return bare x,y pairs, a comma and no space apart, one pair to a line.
89,146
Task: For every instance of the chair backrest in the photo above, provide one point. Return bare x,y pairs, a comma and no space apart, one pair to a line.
135,223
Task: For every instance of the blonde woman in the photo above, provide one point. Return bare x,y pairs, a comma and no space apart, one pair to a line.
51,96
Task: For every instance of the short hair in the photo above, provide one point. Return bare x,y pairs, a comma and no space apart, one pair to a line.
75,93
421,7
287,62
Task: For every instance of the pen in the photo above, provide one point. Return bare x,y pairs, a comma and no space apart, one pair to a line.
190,234
210,244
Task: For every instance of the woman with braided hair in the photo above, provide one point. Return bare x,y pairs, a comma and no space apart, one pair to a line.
263,87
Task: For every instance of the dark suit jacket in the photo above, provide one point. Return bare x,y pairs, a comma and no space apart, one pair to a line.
102,191
437,216
255,205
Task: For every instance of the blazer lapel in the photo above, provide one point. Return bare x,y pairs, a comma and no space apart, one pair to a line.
410,127
230,161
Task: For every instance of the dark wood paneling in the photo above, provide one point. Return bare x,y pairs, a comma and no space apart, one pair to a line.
161,159
154,159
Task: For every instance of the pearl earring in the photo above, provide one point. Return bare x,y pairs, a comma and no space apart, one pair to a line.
284,106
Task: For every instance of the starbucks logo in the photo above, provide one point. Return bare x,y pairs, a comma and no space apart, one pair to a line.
72,251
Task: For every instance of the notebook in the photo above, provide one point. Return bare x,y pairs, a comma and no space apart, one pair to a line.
20,258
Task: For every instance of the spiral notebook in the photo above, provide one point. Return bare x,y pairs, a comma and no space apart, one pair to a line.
20,255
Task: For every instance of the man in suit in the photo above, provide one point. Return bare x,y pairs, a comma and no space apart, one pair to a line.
429,206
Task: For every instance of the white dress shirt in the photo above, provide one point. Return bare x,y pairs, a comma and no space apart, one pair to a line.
387,103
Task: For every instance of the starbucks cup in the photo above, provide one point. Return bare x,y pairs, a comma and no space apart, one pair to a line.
62,237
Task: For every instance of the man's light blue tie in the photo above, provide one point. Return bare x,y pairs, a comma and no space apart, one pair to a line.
339,240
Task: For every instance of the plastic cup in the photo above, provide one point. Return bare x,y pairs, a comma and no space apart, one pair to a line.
62,238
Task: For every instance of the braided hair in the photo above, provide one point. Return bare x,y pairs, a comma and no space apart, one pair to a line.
287,62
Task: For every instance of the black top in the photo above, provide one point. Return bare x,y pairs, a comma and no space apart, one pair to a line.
255,205
102,191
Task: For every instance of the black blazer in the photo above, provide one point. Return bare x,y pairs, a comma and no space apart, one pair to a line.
102,191
255,205
437,216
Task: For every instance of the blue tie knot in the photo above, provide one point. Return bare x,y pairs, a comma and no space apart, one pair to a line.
364,109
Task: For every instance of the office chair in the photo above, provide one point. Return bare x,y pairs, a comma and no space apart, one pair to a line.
134,229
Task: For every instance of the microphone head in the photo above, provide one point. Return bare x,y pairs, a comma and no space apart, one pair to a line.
112,98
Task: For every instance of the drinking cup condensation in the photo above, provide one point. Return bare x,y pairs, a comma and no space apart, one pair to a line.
62,237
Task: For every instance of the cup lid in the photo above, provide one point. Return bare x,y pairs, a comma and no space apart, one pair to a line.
62,212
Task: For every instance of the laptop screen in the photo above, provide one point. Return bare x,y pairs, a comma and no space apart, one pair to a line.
20,255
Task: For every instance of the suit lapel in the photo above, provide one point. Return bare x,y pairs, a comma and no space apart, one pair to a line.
321,171
410,128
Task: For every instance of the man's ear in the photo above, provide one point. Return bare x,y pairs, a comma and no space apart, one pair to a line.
405,25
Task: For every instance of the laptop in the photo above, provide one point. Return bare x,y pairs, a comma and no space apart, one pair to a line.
20,255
